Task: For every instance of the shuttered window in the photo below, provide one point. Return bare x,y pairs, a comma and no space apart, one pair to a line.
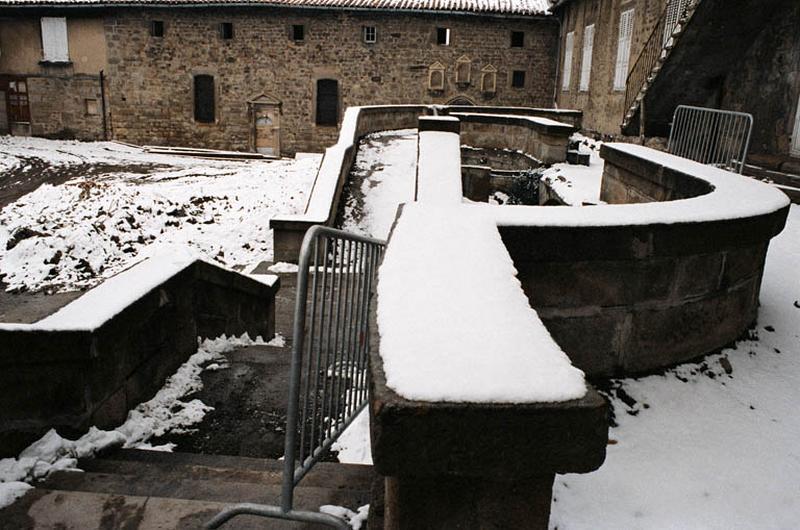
675,10
204,108
566,76
623,49
55,45
327,102
586,59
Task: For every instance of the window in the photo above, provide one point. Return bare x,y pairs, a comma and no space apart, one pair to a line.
566,75
226,30
623,49
463,70
55,46
586,59
518,79
204,108
157,28
91,107
443,36
327,102
675,10
436,77
488,79
517,39
298,32
370,34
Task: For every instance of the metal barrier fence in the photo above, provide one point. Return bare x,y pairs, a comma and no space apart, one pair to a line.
716,137
328,379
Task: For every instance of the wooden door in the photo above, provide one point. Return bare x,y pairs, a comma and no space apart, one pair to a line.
267,129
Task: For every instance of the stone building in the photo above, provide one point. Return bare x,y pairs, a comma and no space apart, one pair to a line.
739,55
268,76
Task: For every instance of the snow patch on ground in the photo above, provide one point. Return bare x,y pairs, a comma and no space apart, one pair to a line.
718,439
385,173
577,184
166,412
76,234
353,445
354,519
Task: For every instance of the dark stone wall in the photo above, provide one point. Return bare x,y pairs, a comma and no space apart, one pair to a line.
766,82
151,79
71,380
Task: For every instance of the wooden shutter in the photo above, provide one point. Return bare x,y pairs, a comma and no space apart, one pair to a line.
623,49
204,108
566,76
586,59
327,102
17,101
55,45
675,9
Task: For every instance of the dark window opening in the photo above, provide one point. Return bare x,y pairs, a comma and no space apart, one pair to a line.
443,36
298,32
518,79
204,111
517,39
157,28
327,102
370,34
17,104
226,30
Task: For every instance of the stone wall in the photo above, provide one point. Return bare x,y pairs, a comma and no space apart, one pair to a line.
151,78
766,83
602,106
59,106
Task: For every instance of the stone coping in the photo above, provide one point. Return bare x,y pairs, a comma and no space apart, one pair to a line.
542,125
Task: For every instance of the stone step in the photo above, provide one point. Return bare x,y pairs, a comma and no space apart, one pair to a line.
221,468
82,510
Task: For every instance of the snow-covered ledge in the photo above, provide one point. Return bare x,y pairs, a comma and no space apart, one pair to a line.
474,407
113,347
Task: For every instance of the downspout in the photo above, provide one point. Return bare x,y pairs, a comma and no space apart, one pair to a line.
103,104
558,61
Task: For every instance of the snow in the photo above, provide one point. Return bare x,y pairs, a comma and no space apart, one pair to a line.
385,173
458,329
353,445
533,119
354,519
517,7
698,447
165,412
577,184
96,225
439,168
723,203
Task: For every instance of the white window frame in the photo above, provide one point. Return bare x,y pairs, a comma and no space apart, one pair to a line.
55,42
566,74
586,59
795,148
370,34
624,39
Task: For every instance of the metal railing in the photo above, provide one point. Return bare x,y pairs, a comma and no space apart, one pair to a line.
716,137
328,378
654,49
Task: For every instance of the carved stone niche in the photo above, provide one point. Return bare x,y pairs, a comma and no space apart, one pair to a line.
489,80
436,77
463,71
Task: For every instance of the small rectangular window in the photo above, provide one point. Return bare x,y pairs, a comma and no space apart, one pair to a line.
55,44
226,30
298,32
517,39
518,79
204,107
91,107
157,28
370,34
443,36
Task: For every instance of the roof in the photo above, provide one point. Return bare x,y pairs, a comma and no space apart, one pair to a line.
516,7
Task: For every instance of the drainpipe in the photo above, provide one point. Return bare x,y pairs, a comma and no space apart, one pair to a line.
558,62
103,103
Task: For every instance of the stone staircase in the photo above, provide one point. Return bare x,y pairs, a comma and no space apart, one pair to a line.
691,66
135,489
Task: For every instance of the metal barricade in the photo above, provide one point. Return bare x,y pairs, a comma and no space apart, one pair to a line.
716,137
328,379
